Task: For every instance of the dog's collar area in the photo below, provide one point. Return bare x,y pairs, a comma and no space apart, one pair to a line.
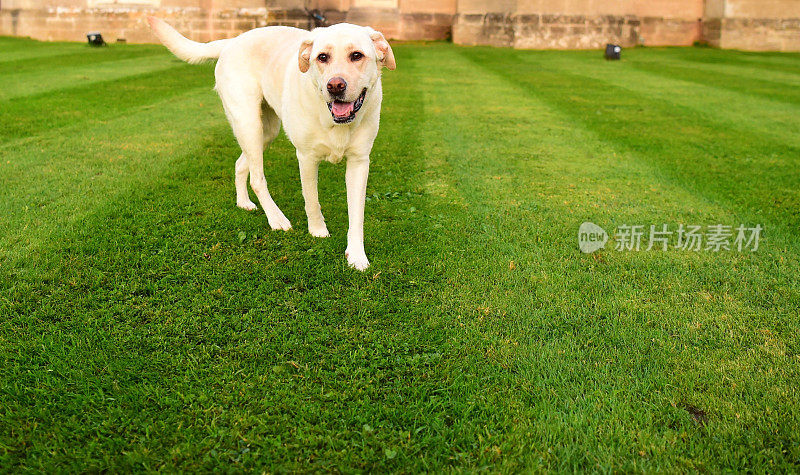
345,112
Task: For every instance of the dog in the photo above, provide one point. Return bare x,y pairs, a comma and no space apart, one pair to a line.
323,85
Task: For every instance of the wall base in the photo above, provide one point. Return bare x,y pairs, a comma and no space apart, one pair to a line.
571,32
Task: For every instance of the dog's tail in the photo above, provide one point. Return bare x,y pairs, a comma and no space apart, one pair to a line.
182,47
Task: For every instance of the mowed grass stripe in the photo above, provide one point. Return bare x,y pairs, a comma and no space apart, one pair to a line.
86,105
771,120
781,242
397,392
13,51
38,82
779,89
167,329
527,339
500,311
640,124
49,185
642,136
733,72
762,61
642,112
15,43
69,58
647,197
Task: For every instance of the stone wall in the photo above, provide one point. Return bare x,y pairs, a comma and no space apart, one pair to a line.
403,19
204,20
545,31
562,24
569,24
756,25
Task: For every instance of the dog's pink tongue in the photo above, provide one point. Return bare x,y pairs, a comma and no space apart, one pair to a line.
342,109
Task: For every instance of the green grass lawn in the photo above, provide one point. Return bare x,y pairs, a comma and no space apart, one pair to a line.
148,323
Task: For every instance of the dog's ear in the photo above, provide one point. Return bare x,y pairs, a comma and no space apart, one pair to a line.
304,55
385,54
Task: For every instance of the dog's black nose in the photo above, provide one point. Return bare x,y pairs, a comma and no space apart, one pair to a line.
337,85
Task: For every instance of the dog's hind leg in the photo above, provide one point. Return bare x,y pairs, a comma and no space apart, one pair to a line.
271,126
242,172
243,108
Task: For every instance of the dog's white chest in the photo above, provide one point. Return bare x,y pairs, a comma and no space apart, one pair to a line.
333,144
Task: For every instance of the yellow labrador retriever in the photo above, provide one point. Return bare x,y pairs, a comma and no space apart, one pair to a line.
323,85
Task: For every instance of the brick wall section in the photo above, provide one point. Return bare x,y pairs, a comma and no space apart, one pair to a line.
205,20
561,24
755,25
572,31
129,22
545,31
760,34
411,20
570,24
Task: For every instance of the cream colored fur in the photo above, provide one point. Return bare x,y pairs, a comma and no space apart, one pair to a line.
275,75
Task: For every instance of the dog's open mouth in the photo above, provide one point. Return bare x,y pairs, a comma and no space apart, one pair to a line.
344,112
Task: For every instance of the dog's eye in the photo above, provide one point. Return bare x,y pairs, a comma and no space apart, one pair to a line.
322,58
356,56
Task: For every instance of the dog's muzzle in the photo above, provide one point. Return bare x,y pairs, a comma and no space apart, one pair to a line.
345,112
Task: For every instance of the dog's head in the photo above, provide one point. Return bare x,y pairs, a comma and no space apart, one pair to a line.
344,62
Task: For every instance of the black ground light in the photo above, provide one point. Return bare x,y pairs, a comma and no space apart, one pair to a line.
613,51
95,39
317,17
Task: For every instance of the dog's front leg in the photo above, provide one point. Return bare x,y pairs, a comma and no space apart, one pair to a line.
356,178
309,174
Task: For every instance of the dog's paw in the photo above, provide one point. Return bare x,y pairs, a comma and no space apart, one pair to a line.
357,260
319,231
247,205
278,221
